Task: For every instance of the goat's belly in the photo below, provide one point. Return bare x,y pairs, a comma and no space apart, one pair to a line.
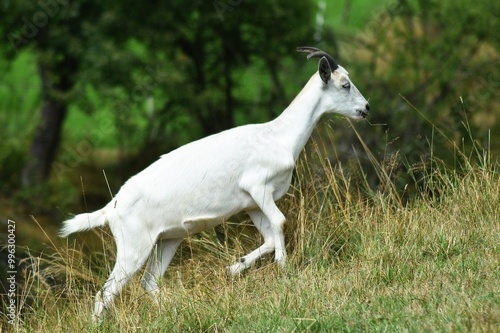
184,215
218,203
214,212
189,227
173,232
201,224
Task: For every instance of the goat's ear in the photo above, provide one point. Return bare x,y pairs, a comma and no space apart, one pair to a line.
325,71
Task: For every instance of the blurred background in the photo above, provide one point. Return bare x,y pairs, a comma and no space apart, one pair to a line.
87,86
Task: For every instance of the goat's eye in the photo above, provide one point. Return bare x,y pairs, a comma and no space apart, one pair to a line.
346,85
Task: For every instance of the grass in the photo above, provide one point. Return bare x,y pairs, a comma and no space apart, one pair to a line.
359,260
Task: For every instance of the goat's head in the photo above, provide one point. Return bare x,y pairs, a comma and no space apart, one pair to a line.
342,96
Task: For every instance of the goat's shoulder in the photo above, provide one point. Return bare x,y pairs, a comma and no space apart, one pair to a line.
262,148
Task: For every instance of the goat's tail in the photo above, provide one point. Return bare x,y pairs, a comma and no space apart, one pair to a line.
83,222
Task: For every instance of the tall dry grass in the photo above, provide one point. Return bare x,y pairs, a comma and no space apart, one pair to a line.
360,259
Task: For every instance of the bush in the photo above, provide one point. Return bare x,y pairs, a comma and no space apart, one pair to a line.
12,159
426,67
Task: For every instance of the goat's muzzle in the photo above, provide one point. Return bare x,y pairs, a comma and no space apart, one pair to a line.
363,113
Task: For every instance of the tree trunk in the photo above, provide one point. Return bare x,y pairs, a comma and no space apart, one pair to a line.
47,136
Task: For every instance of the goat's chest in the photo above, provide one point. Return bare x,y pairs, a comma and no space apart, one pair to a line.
281,182
271,172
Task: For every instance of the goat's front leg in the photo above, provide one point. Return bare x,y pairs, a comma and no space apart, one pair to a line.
264,226
277,220
263,196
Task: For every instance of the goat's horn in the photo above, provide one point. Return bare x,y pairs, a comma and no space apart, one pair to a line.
317,53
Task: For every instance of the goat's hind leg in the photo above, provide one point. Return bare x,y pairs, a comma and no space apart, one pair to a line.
132,253
262,224
158,262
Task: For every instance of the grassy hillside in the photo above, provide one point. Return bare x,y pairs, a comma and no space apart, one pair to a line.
420,257
358,261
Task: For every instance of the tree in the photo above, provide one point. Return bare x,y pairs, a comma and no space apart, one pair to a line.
211,42
55,31
435,57
207,41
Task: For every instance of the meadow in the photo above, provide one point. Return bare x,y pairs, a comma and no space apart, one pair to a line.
395,228
359,260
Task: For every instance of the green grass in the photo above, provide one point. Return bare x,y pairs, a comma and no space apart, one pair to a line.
359,261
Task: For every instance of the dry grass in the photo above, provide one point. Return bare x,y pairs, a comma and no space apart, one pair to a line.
359,260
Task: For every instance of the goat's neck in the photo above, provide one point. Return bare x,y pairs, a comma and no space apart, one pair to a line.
295,125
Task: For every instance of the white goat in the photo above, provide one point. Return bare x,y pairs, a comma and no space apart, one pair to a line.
199,185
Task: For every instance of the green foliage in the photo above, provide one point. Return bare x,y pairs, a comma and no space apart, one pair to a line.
55,32
163,74
19,97
49,199
346,16
12,159
437,56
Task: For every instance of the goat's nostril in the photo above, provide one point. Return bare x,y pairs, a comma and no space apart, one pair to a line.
367,107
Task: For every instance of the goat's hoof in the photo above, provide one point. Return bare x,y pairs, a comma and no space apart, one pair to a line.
236,268
97,320
281,262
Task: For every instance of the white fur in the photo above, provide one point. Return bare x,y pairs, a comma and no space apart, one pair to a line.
199,185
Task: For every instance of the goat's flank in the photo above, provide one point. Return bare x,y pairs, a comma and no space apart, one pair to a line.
200,184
